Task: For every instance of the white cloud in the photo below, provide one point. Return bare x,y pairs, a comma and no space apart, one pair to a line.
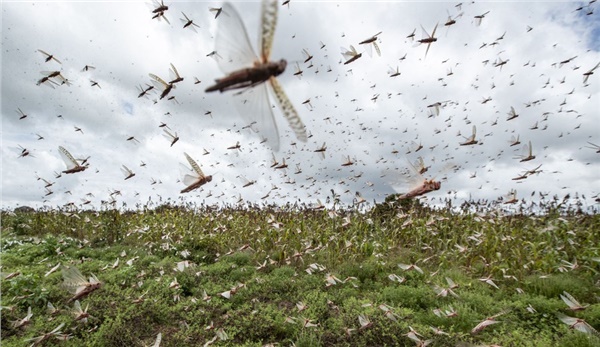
125,45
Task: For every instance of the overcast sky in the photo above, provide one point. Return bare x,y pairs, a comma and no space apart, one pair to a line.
357,109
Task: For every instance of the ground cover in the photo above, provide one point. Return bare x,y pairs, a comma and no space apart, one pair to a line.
389,275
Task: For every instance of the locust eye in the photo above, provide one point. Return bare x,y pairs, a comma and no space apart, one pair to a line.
282,64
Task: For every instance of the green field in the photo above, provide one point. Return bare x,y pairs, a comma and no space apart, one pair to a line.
302,277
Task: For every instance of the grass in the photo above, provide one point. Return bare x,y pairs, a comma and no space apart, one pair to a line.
296,276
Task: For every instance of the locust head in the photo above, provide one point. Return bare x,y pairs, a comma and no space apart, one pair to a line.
277,68
433,185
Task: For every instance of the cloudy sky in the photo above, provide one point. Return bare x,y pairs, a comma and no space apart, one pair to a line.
357,109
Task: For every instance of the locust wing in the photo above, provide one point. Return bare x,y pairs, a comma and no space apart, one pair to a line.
74,281
403,182
349,53
173,73
127,172
267,28
254,105
570,300
194,165
289,112
232,42
578,324
419,165
434,29
67,158
529,149
158,82
189,176
370,44
524,151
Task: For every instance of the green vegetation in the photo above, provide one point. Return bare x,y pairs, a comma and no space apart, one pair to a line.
289,276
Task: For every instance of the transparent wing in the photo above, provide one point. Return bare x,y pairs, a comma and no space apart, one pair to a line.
395,179
511,195
444,171
369,49
244,180
577,324
415,146
306,54
267,28
298,70
419,164
405,181
93,279
194,26
566,319
363,320
424,34
584,327
194,165
173,73
434,29
254,106
77,307
157,81
73,279
525,151
376,46
125,170
289,112
349,53
167,134
569,300
57,329
232,42
67,158
413,177
162,15
188,176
